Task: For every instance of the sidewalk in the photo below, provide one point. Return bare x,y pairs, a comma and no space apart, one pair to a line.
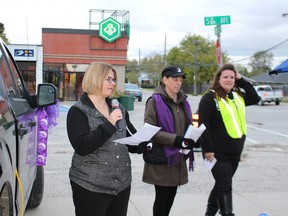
259,186
245,204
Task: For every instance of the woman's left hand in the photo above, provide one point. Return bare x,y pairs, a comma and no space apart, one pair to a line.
238,76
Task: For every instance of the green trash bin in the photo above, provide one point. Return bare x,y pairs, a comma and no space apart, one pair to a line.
127,102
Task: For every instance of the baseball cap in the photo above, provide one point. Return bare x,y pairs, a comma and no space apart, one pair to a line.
173,71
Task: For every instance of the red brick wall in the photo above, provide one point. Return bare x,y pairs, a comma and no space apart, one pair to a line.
76,48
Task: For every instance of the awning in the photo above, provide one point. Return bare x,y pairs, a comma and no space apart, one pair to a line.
282,68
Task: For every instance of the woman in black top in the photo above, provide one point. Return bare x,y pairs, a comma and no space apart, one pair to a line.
100,172
222,111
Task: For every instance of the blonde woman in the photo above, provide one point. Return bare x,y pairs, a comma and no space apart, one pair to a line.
100,172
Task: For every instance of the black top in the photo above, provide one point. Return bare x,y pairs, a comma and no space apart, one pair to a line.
85,141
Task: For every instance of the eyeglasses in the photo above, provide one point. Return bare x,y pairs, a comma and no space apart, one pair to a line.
111,79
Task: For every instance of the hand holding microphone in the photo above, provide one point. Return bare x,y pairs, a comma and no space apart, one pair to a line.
116,114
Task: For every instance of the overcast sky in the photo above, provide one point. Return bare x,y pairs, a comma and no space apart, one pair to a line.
255,24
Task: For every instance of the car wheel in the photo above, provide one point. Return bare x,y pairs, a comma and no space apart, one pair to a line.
277,102
37,189
6,201
139,99
261,102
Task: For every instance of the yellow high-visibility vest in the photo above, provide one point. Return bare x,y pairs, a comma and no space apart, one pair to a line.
233,115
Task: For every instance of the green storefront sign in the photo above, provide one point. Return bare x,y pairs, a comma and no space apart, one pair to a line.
110,29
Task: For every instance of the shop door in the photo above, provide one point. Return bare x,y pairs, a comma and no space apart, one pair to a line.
73,86
79,91
70,86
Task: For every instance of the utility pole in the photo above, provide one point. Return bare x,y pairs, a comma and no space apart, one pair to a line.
195,55
165,62
139,73
195,66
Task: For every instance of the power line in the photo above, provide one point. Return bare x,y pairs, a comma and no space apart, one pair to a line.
275,46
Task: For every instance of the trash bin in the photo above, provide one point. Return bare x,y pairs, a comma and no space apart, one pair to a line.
127,102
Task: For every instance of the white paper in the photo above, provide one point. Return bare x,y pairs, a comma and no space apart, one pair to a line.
194,134
144,134
209,164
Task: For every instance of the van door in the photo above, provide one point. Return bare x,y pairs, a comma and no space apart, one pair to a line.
24,131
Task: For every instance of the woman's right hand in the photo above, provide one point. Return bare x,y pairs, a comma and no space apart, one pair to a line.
115,116
209,156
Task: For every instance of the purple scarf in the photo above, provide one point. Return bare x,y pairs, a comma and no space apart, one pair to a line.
166,122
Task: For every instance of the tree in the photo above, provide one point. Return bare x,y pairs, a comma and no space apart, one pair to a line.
260,62
132,70
151,66
3,34
242,70
196,53
131,77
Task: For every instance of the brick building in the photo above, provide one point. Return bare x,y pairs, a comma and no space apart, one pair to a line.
65,54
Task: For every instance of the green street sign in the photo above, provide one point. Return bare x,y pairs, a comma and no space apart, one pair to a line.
217,20
217,30
110,29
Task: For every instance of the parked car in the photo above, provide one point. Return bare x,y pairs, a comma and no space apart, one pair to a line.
268,95
133,90
21,179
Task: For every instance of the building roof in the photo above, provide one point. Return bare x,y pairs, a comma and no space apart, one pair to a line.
273,78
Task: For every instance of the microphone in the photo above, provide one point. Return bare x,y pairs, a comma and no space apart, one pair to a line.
115,105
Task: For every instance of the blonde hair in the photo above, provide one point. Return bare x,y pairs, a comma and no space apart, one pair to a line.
95,75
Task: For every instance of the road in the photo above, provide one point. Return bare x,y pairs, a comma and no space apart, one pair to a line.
263,167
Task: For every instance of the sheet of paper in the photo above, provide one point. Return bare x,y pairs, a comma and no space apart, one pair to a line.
209,164
144,134
193,133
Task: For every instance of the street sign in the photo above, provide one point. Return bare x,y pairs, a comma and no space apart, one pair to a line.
217,29
217,20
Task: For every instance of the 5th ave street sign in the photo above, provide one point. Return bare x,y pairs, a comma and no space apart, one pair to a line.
217,20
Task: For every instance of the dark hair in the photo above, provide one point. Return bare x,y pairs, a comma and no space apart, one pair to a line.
216,85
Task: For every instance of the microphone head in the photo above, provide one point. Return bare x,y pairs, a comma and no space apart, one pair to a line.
115,103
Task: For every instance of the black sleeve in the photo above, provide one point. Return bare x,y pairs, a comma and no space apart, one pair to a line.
82,139
130,127
130,130
250,96
207,108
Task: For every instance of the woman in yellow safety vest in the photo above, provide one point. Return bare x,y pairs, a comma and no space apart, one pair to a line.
222,111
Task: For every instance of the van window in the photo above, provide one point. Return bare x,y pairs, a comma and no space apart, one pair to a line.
5,73
268,89
13,85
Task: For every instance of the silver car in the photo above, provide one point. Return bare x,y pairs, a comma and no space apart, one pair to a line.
133,90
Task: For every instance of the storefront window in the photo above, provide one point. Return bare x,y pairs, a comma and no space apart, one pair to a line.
53,73
67,78
28,71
